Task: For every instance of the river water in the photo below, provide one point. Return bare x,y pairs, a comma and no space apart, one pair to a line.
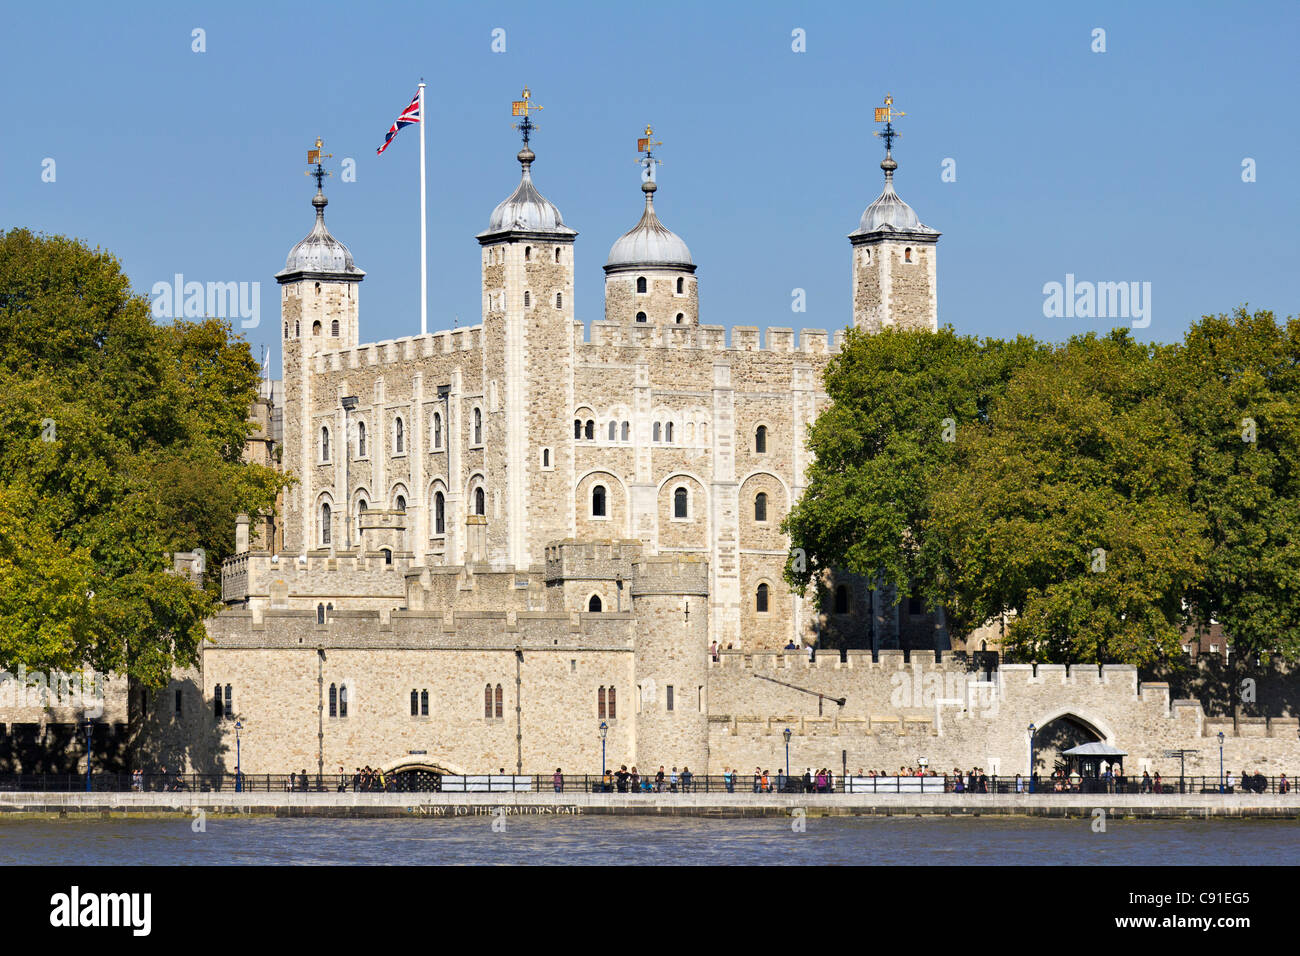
608,840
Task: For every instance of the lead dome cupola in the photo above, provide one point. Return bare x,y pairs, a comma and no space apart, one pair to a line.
319,254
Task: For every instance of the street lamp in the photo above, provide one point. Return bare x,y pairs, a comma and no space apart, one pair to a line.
239,780
786,733
89,725
604,729
1220,761
1032,730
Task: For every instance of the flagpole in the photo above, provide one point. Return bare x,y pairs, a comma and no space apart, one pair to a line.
424,258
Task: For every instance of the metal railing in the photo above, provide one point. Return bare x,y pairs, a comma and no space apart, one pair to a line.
427,782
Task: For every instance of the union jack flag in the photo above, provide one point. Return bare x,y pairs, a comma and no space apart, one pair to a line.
408,116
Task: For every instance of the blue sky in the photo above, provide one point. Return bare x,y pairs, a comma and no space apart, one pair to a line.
1117,166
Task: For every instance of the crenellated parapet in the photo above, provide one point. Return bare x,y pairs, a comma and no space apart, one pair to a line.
712,338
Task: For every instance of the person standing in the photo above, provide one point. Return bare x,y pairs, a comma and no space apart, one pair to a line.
659,780
557,780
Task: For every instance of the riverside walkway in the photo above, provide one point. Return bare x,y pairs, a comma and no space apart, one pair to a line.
369,805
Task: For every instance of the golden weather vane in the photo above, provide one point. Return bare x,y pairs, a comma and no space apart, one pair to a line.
314,158
648,162
521,108
885,114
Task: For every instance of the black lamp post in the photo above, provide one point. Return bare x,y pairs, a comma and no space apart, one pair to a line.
604,729
1032,730
1221,788
90,726
786,733
239,780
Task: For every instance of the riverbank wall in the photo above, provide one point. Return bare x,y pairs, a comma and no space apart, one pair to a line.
80,806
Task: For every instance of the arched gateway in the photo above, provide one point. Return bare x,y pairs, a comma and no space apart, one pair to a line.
416,774
1062,730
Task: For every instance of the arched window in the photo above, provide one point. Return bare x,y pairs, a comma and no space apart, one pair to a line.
640,316
528,299
343,700
500,699
399,437
760,506
760,600
400,503
528,253
362,506
439,513
334,328
546,458
760,440
230,704
593,604
668,432
320,613
324,522
600,702
218,710
577,428
680,502
437,429
478,426
658,432
318,288
842,599
480,502
679,318
613,431
559,300
297,329
334,700
681,285
907,254
557,253
415,704
388,555
324,444
361,439
589,430
627,430
315,328
609,703
286,330
487,701
424,703
640,284
598,501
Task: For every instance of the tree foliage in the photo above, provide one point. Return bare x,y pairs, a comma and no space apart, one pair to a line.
1100,494
898,399
120,443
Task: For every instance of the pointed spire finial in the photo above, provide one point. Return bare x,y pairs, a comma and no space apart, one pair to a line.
885,114
645,145
521,107
315,157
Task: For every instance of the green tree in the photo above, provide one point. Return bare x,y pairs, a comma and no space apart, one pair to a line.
1235,381
898,401
120,443
1071,511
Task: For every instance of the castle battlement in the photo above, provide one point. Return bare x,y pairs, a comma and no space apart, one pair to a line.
598,560
671,574
404,349
714,338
